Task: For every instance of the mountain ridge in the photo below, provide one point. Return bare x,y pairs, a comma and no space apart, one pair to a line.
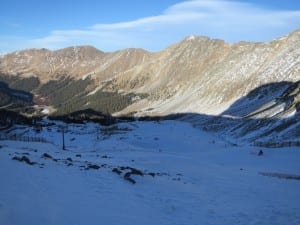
198,74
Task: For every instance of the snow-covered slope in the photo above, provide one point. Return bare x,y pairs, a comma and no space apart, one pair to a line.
189,177
268,116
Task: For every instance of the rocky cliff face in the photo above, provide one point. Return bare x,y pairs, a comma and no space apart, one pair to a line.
197,75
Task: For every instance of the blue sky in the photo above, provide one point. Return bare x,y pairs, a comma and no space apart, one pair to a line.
149,24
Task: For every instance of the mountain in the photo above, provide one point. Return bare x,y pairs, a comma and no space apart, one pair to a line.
268,116
199,76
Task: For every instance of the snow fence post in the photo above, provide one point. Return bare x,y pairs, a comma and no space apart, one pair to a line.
62,128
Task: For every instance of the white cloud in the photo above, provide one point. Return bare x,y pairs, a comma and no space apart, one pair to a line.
229,20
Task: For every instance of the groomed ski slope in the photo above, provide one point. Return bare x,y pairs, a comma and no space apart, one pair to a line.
189,178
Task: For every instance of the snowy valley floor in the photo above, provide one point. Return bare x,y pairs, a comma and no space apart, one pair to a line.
183,177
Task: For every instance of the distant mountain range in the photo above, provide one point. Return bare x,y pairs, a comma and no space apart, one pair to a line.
197,76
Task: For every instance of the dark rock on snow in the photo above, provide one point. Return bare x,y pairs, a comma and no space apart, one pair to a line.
23,159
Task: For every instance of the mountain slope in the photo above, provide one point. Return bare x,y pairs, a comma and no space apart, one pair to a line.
268,116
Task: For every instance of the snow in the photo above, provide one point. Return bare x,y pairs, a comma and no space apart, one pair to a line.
290,114
191,38
46,111
94,91
85,77
203,180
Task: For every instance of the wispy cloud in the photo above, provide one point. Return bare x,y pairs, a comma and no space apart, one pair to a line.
229,20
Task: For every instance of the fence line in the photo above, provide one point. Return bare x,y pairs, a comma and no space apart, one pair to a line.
23,138
277,144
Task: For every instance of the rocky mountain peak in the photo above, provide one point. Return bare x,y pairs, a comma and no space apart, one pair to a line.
79,52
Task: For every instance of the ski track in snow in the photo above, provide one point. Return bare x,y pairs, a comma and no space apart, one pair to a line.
203,180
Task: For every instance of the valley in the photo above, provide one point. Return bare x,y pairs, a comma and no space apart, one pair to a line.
202,132
247,91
